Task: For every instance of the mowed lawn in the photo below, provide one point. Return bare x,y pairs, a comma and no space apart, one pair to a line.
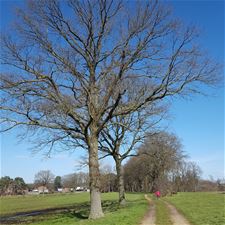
78,209
201,208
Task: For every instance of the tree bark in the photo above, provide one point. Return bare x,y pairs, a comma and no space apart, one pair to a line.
120,181
94,173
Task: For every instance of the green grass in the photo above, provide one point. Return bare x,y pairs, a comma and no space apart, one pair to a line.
162,213
78,209
201,208
198,208
14,204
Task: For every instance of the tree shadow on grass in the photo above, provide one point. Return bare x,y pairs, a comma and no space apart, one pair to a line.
110,206
82,211
77,211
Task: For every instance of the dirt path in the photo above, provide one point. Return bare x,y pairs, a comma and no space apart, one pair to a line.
149,218
176,217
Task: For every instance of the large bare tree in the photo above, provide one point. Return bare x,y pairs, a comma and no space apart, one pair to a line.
68,64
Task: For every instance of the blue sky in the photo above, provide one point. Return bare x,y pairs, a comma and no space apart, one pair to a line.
198,121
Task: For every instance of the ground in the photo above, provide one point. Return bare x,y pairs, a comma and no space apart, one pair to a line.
162,213
73,209
201,208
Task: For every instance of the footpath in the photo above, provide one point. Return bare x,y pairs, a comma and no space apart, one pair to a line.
175,216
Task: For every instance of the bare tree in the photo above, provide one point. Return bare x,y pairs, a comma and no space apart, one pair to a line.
158,156
108,179
188,176
220,185
75,180
67,66
122,136
44,178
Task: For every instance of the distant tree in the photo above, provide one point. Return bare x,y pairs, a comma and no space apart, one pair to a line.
108,179
30,186
74,180
5,183
44,178
19,185
69,181
57,182
8,186
207,185
190,176
82,179
158,156
221,185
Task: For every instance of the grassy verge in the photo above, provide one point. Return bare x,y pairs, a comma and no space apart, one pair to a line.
162,213
131,214
201,208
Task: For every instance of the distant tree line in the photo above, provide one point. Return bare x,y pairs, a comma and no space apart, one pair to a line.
184,178
163,167
81,179
9,186
75,180
159,163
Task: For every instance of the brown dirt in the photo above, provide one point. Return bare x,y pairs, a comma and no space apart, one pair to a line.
176,217
149,218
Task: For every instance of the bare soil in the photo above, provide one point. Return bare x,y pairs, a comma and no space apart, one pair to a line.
176,217
149,218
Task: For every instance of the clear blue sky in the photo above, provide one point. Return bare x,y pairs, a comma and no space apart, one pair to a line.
199,122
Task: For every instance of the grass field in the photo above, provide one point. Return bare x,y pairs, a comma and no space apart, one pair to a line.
78,209
73,209
201,208
14,204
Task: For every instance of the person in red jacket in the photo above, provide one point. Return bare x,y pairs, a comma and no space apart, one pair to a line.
157,194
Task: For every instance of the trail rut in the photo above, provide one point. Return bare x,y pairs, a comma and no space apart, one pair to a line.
149,218
176,217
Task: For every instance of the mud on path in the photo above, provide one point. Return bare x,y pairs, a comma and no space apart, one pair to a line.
176,217
149,218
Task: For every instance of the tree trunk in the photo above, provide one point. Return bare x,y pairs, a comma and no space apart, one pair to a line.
95,195
120,181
